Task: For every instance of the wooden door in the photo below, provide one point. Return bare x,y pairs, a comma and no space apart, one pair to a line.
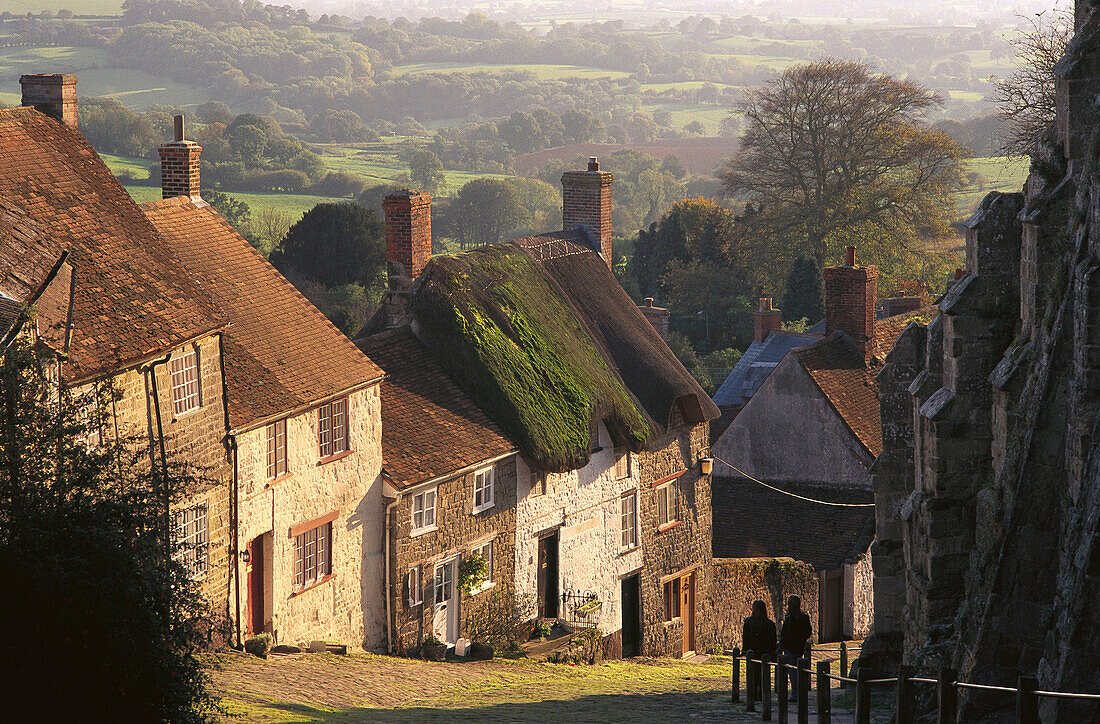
632,616
687,611
254,570
548,576
831,608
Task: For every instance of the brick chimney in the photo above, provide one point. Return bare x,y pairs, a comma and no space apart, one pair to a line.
586,201
179,165
408,234
657,316
850,295
766,319
52,93
901,305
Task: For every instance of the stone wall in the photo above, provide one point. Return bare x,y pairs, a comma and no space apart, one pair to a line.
858,598
997,537
348,607
737,582
458,531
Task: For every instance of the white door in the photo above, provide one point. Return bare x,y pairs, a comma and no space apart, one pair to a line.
445,608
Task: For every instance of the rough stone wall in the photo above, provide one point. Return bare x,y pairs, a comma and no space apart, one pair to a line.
196,437
1000,530
737,582
858,597
458,531
584,507
348,607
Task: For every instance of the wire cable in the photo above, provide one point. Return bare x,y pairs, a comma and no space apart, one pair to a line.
793,495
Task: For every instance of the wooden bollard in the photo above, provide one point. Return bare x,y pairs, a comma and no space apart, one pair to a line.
1027,701
863,696
824,694
804,691
765,688
947,699
735,677
843,663
904,703
750,682
781,687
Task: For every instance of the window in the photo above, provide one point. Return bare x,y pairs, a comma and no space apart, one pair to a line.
672,599
332,428
538,483
486,553
668,507
594,438
483,489
313,555
276,449
185,381
622,463
629,516
443,582
89,419
190,539
423,511
415,597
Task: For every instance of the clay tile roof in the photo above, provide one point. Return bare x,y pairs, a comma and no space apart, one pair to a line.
848,382
752,521
430,427
280,352
132,298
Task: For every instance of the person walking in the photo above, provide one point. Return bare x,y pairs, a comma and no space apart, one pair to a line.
758,636
795,633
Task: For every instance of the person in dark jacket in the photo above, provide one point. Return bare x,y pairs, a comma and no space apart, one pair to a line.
758,636
793,637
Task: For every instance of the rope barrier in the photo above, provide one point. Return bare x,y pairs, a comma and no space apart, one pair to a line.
1068,695
793,495
922,680
985,687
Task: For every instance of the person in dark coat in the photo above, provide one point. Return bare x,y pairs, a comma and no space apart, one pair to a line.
795,633
758,636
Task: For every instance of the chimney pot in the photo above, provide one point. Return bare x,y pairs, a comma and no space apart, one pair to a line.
593,164
648,301
657,317
179,165
959,273
765,304
850,256
52,93
178,123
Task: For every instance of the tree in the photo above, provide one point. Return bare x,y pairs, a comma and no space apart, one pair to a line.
805,295
334,244
426,172
271,226
484,210
337,126
835,153
93,596
230,208
1025,99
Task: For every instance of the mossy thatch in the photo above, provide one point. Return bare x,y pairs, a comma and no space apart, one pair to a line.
505,333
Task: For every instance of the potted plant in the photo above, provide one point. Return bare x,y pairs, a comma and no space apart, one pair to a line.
433,649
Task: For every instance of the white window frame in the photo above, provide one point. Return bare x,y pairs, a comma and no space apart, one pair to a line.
191,539
484,489
186,381
443,588
280,467
621,469
416,594
320,538
668,495
628,520
426,513
485,550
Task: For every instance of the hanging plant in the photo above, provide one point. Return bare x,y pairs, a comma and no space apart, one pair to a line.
472,572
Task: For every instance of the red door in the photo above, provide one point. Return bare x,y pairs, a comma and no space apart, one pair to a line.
255,572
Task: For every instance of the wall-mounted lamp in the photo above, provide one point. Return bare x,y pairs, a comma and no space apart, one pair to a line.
706,465
246,555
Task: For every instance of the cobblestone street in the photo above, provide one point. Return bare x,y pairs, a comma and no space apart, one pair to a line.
329,688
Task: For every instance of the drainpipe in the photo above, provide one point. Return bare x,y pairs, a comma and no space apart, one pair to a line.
386,563
234,517
167,522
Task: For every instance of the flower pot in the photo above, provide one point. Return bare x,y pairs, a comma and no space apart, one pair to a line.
434,652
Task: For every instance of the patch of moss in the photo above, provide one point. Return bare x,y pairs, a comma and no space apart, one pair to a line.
517,348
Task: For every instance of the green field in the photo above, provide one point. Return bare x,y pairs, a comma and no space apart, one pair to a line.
1005,174
684,113
79,7
543,72
379,163
293,204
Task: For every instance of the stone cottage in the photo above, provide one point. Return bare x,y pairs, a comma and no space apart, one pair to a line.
119,310
612,507
304,429
812,428
987,558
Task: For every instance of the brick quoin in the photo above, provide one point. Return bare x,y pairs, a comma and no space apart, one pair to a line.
586,201
179,165
850,295
408,232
